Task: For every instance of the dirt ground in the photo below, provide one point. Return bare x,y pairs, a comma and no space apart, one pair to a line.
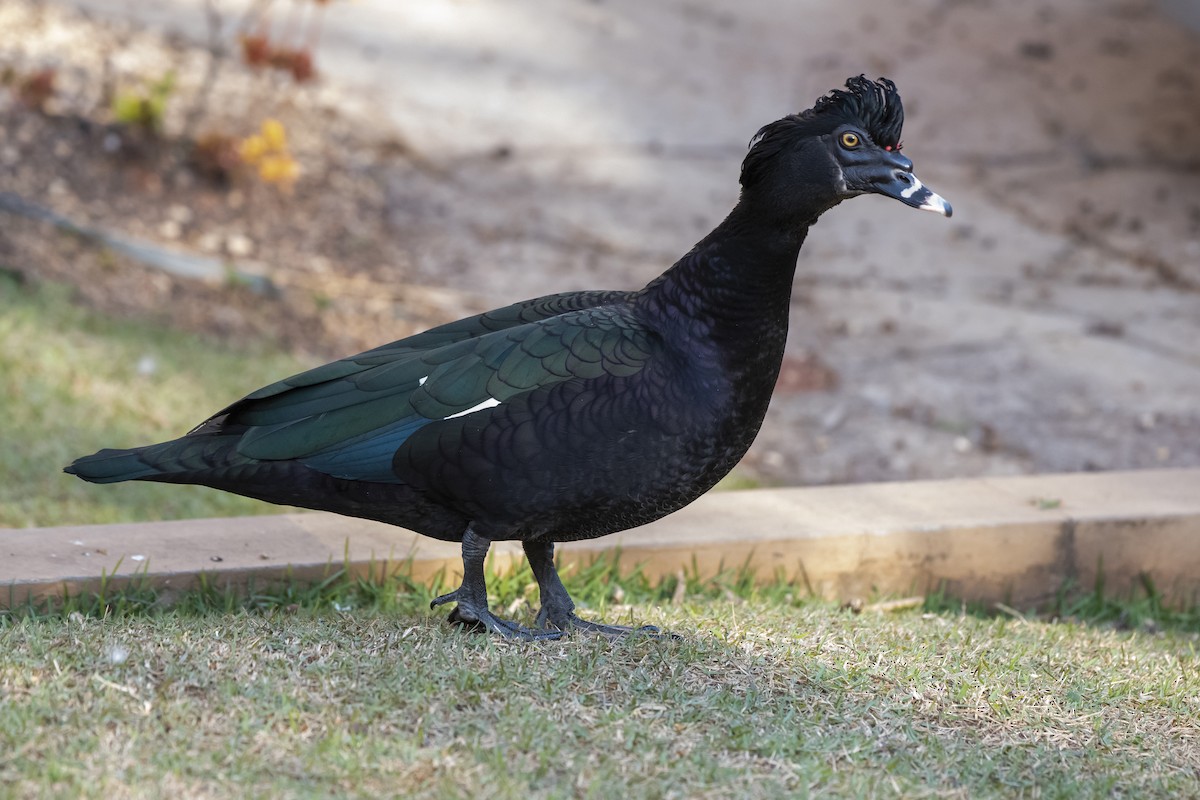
462,154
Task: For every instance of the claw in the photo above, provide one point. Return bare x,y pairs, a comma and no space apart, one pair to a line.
572,622
486,620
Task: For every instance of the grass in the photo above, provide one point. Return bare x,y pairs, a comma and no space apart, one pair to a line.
72,382
353,688
760,701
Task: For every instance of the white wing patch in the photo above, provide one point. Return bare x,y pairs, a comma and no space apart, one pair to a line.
491,402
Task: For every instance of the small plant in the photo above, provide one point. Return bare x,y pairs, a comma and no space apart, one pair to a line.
1046,503
299,62
215,156
256,49
260,50
267,151
35,89
146,108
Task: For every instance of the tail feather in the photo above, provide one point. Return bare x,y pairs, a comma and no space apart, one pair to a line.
179,461
112,466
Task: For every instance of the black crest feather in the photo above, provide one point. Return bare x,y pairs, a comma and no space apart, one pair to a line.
874,106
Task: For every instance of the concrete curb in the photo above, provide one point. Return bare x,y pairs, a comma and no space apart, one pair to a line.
1014,539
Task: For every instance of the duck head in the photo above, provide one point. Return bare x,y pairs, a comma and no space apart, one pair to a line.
846,145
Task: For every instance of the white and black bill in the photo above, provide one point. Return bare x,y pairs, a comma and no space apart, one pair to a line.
920,196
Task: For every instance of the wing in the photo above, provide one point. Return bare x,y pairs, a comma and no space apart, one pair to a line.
521,313
347,419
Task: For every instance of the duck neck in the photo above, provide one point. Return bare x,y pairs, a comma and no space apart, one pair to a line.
733,290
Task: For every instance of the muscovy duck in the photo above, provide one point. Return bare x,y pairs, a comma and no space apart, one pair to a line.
565,417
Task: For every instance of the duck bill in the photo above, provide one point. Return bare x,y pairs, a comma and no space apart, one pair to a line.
908,189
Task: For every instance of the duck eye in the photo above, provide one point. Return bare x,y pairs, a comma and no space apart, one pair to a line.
850,140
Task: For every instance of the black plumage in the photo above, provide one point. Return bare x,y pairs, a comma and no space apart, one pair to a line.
564,417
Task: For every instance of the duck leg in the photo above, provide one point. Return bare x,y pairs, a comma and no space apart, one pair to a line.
557,607
471,596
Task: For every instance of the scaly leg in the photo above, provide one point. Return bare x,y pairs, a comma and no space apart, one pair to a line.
557,607
471,596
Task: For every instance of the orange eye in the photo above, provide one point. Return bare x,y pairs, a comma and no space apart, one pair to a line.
850,140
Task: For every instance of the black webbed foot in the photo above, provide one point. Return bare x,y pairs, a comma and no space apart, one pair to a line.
470,613
558,610
471,596
563,620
